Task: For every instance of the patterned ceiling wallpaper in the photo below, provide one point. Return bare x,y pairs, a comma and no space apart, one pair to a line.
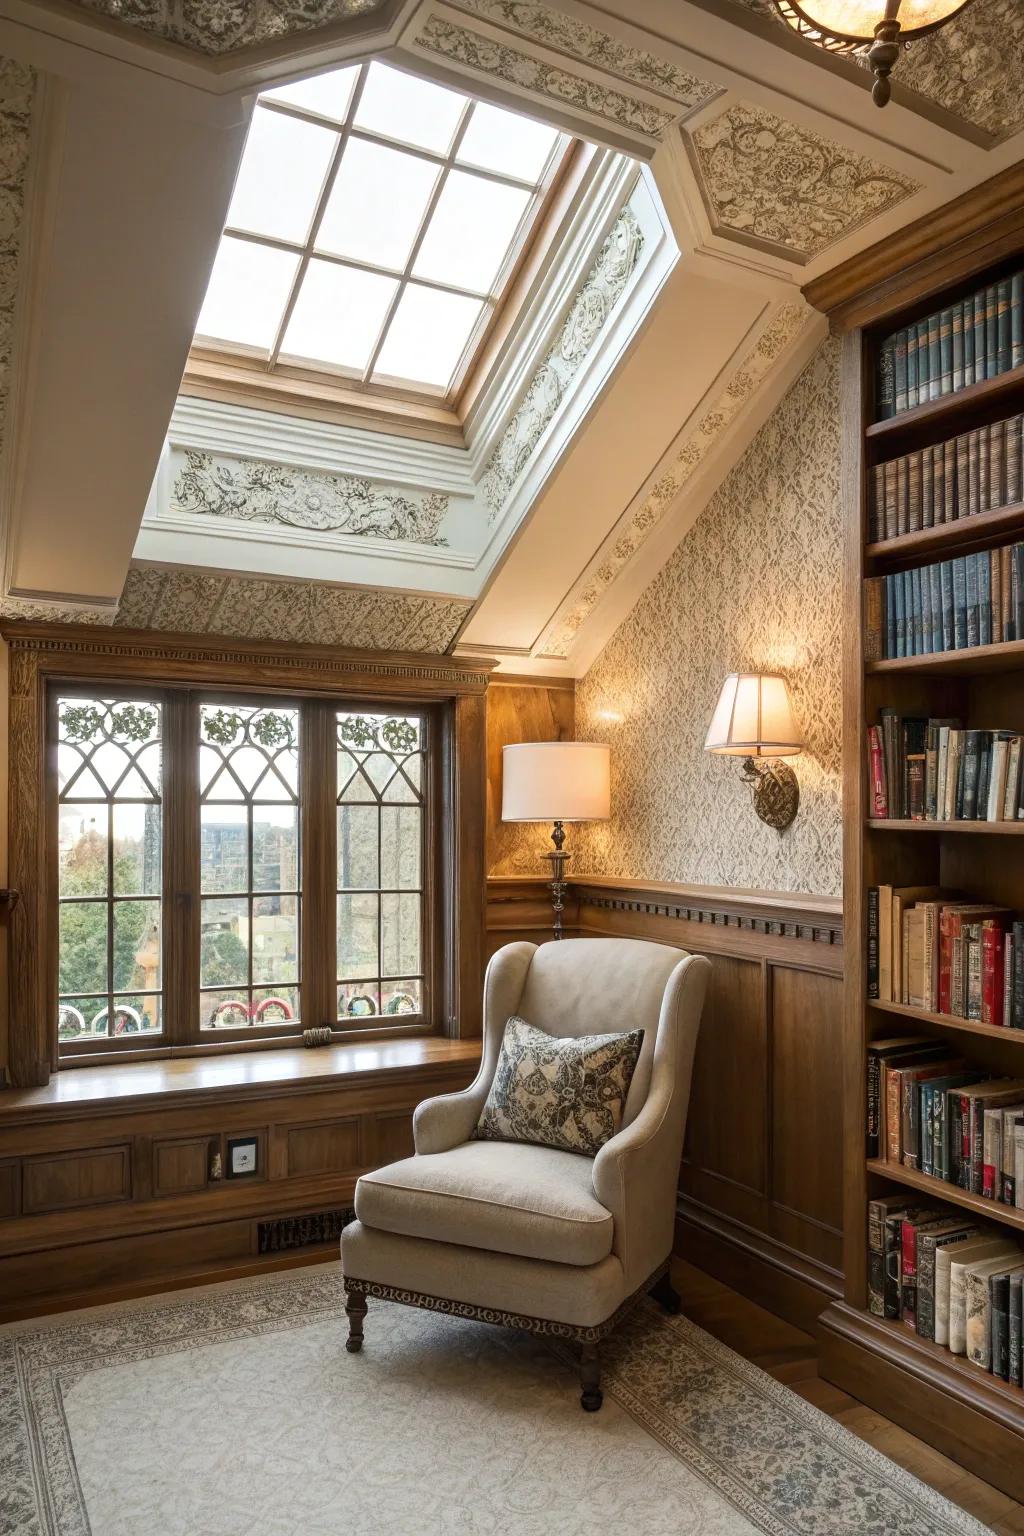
215,27
972,67
754,586
784,186
255,608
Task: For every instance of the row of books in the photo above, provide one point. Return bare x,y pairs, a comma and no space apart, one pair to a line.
950,605
949,1280
946,482
979,337
928,949
935,770
928,1109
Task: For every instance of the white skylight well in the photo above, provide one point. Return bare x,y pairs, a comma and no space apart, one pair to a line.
375,222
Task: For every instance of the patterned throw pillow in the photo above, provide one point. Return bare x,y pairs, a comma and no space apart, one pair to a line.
559,1092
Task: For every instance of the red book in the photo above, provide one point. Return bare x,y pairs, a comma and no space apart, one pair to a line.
946,917
992,938
879,797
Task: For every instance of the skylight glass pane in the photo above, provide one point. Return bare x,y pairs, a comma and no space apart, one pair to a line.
427,336
505,142
327,95
281,176
400,106
470,232
248,290
376,204
338,315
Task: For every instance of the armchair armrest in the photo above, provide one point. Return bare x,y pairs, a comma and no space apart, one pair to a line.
636,1173
442,1123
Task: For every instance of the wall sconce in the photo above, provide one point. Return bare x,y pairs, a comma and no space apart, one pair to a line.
753,719
556,781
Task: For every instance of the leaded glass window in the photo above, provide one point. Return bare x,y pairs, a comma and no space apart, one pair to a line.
250,879
109,859
381,778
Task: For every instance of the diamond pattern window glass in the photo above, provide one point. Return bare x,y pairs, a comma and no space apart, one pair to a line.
250,881
380,865
109,861
375,223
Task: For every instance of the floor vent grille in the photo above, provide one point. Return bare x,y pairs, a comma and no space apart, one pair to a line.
302,1231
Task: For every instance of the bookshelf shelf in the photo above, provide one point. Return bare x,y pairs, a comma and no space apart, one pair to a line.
988,398
1007,656
985,828
949,1194
951,1021
947,539
958,1375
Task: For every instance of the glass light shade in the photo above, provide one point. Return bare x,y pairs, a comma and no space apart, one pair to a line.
556,781
753,718
856,20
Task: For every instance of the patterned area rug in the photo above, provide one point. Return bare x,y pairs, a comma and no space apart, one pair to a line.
236,1411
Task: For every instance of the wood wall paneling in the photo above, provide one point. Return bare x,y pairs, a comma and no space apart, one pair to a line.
761,1180
182,1164
64,1180
329,1147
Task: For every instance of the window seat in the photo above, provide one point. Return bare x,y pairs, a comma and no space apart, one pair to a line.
237,1075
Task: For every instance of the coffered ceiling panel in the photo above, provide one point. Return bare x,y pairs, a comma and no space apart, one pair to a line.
782,186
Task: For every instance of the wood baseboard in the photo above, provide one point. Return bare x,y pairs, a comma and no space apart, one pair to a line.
776,1277
963,1412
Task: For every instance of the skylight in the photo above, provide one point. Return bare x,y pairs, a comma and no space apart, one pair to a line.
375,221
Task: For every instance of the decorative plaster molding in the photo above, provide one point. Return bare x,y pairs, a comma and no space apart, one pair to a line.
43,611
217,27
577,40
189,601
784,187
971,67
474,50
597,296
252,490
779,333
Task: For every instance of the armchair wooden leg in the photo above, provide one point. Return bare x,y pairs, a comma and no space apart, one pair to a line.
355,1310
665,1292
591,1397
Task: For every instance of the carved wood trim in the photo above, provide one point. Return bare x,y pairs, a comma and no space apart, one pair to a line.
975,230
87,650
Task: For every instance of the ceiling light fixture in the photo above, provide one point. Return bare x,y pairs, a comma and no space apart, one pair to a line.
874,28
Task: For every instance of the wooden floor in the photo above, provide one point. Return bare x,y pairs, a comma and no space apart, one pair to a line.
789,1355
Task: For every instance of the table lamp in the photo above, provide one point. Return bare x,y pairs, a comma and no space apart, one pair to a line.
556,781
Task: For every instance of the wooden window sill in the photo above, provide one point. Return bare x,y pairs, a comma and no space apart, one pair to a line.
236,1076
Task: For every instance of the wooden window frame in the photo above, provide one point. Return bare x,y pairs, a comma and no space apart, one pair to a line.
45,658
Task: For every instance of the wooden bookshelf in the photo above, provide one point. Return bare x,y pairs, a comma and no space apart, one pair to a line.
960,1409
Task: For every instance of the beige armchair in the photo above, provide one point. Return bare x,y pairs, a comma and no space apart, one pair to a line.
526,1236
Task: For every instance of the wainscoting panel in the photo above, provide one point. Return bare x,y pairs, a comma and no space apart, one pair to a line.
760,1183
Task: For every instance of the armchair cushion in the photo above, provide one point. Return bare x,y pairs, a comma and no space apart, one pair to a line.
509,1198
555,1092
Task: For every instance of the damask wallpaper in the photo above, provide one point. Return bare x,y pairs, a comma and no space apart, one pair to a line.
257,608
754,586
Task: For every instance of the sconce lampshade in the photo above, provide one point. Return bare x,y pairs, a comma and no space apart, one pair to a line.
753,718
555,781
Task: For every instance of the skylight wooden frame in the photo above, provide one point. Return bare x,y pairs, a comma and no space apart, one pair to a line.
273,363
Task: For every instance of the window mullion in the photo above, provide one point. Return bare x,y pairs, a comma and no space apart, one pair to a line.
318,831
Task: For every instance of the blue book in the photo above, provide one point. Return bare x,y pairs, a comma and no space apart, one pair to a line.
959,603
948,628
935,607
980,361
899,582
968,328
1003,345
1017,320
984,598
971,564
918,611
890,615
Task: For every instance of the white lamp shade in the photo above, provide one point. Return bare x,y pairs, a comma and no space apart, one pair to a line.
856,20
753,718
555,781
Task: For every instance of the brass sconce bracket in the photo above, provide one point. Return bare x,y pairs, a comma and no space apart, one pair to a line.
774,789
